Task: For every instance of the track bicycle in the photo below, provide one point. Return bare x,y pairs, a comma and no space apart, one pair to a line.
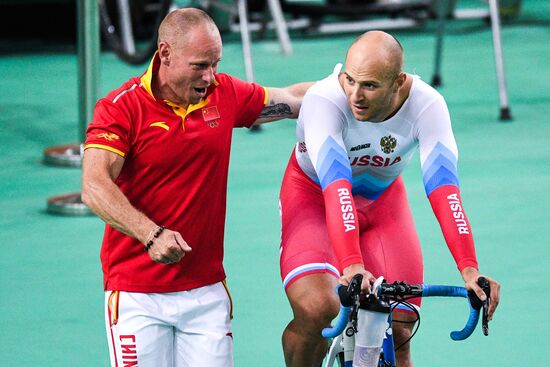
362,331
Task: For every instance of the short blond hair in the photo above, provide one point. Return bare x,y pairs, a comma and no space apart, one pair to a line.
178,24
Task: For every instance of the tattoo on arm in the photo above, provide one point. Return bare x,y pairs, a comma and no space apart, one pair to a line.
277,110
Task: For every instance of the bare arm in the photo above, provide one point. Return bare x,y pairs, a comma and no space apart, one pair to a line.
283,102
100,168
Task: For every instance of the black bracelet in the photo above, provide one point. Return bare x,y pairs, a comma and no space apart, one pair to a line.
156,235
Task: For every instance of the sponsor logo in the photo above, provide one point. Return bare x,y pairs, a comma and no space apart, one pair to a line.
388,144
161,124
128,350
458,214
106,136
302,147
374,161
359,147
347,209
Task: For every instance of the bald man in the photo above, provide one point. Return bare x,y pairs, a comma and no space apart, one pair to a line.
155,170
343,203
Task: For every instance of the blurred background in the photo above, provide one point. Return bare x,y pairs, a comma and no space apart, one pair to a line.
490,60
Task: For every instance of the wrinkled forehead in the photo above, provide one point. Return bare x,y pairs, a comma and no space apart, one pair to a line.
201,36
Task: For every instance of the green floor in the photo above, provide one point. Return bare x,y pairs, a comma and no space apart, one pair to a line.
51,303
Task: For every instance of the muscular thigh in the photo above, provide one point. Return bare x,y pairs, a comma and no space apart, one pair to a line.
313,300
305,246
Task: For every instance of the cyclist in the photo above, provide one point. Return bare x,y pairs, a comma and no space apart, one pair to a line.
343,203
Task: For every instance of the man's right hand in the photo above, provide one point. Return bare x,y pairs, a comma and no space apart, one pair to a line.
471,276
349,273
169,247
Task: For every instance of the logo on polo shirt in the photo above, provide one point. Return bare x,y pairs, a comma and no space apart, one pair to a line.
161,124
211,116
106,136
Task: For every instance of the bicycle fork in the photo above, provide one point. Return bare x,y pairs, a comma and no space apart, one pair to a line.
387,359
343,347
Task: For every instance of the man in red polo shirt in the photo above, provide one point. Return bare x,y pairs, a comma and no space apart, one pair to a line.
155,170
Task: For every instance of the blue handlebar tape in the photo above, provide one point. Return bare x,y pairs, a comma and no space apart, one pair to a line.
443,291
469,328
339,325
452,291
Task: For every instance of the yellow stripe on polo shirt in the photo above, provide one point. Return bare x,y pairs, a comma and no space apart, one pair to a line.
105,147
265,96
161,124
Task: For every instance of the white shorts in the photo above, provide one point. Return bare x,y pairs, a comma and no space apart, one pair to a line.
181,329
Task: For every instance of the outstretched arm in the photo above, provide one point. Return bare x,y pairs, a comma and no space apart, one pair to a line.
439,157
283,102
100,168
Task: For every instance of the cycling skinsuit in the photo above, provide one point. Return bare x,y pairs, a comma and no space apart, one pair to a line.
343,200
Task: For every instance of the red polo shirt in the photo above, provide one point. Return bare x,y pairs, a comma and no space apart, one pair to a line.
175,171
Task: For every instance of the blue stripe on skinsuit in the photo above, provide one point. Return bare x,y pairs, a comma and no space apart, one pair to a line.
333,163
440,149
439,169
369,186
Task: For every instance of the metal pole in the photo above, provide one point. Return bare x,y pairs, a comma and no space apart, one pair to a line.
125,20
88,42
441,9
88,61
499,61
245,37
280,25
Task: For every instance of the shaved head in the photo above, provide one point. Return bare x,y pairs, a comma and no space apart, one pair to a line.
373,81
378,52
178,26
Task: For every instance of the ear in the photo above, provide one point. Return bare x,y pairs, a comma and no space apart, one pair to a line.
399,82
165,53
